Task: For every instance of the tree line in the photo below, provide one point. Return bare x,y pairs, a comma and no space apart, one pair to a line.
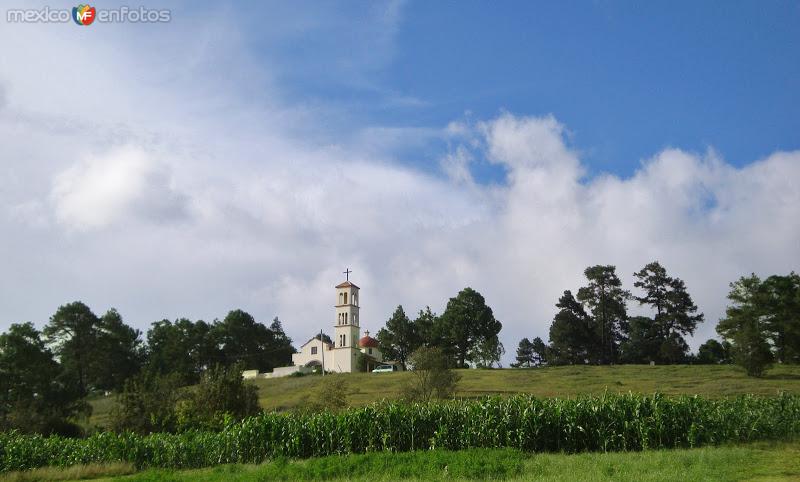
762,323
466,333
45,376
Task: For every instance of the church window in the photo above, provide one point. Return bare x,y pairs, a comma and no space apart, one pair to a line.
313,350
345,298
345,318
370,351
344,340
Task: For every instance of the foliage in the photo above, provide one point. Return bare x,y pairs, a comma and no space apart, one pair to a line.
184,347
400,338
330,395
643,343
466,323
743,326
781,315
541,352
222,395
120,349
147,404
488,352
713,352
524,354
571,337
97,353
661,338
242,339
606,301
35,396
74,333
431,376
425,326
605,423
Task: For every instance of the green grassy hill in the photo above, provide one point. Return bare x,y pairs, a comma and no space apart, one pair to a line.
364,388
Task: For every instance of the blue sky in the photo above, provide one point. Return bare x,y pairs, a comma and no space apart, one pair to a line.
627,78
242,156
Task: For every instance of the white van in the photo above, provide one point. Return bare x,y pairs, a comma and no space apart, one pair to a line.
385,369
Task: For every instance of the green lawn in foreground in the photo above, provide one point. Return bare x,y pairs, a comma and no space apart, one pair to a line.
364,388
778,461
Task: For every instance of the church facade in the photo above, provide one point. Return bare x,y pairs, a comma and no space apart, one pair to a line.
342,355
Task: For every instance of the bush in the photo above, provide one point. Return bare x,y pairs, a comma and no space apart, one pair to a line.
431,377
222,396
147,404
605,423
331,395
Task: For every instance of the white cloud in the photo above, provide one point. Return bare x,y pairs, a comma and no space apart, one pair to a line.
194,192
119,186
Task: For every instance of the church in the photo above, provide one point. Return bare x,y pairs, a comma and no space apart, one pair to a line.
342,355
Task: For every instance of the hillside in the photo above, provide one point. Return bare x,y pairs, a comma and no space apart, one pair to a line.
567,381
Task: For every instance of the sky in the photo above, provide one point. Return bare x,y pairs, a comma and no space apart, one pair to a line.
245,155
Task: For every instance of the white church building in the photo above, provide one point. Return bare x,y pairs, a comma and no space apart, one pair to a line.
343,354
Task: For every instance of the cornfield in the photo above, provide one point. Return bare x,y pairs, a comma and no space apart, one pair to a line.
600,423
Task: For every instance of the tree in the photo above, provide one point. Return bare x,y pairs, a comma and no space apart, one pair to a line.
712,352
744,326
541,352
571,337
781,312
120,351
400,338
488,352
282,349
675,314
241,339
221,395
74,333
466,322
183,347
643,343
606,301
524,354
147,403
34,394
425,326
431,376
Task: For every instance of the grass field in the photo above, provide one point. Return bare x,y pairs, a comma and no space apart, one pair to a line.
763,461
364,388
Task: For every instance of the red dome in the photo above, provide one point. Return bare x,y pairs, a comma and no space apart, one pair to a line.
368,342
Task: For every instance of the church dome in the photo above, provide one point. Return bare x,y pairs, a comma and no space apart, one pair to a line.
367,342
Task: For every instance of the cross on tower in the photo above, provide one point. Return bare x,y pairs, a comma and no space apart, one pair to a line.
347,273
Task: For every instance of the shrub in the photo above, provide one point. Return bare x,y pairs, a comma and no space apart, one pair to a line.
431,377
331,395
222,395
147,404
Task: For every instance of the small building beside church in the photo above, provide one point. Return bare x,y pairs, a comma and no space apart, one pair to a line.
342,355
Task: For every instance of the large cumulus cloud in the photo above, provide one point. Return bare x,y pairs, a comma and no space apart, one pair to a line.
201,192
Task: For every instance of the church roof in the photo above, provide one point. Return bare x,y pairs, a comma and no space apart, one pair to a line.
367,342
317,340
347,284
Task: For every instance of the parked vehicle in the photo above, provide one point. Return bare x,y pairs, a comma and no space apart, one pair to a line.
385,369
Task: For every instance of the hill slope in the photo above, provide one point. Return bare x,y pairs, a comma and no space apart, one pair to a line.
566,381
364,388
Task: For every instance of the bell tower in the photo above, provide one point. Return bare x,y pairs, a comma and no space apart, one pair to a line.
347,306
